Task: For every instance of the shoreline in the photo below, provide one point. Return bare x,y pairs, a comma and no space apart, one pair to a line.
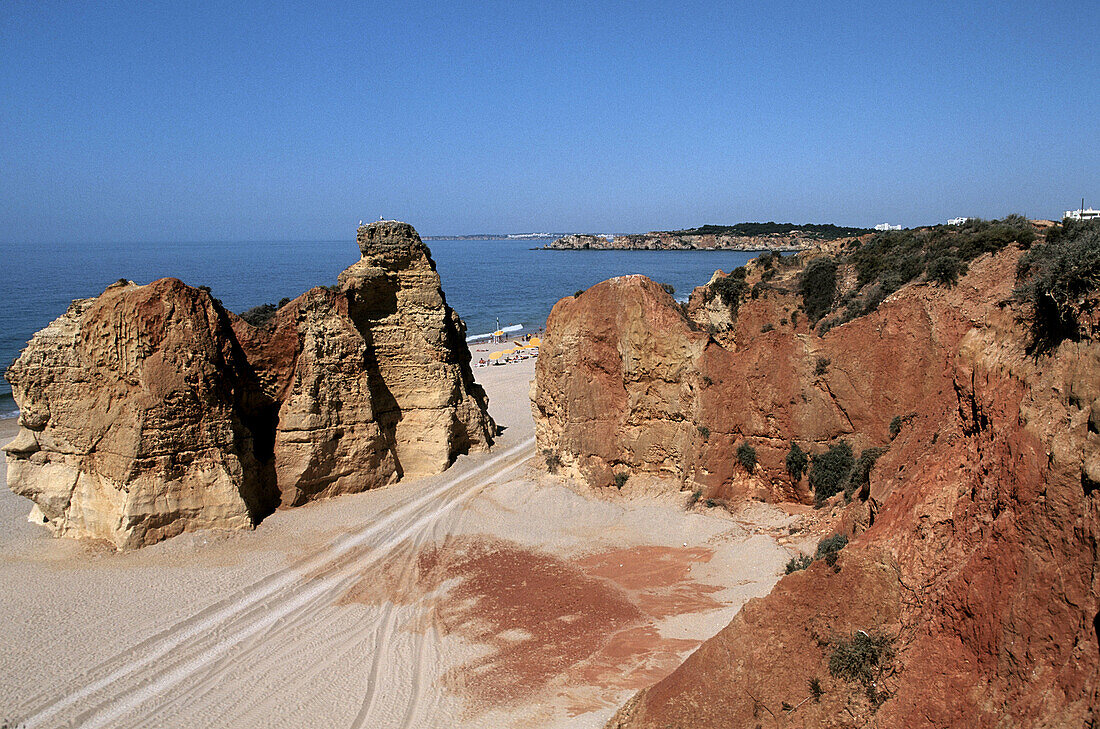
673,250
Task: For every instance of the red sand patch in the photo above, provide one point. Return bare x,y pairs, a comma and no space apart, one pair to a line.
551,623
658,578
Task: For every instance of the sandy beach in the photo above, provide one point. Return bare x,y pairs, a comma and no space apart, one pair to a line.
492,595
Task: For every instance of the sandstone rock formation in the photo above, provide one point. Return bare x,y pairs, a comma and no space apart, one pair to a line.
979,559
150,410
974,547
626,381
133,419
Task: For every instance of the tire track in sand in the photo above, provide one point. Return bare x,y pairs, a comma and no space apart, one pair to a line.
110,690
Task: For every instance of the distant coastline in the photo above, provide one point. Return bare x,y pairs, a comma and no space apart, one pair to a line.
497,236
741,237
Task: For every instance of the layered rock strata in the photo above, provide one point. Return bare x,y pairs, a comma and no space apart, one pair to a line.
150,410
627,382
973,551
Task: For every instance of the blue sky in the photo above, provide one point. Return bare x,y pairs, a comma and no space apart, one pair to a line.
152,121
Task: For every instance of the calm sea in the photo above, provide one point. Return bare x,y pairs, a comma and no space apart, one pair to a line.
485,281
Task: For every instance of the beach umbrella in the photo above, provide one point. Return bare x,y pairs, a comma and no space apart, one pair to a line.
497,355
534,342
498,333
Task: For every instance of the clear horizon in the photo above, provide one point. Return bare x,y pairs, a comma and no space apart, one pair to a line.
264,122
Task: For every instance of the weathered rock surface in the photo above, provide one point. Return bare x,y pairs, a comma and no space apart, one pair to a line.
627,381
975,546
150,410
133,421
428,395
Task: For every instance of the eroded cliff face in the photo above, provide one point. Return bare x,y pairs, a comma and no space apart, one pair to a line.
974,543
132,418
626,381
979,561
616,382
150,410
419,345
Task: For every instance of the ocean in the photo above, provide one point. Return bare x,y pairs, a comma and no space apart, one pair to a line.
486,281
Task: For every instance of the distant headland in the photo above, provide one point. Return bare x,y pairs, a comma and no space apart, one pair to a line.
497,236
741,237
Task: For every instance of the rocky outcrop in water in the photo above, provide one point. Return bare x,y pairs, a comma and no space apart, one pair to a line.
150,410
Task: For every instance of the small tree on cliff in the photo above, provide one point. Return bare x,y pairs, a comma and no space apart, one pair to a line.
746,455
797,461
818,287
731,289
1060,278
829,470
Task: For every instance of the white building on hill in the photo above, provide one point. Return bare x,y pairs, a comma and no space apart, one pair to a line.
1083,214
957,221
887,226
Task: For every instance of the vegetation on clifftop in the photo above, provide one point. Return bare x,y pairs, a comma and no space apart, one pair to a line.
260,316
1060,279
731,289
816,231
882,263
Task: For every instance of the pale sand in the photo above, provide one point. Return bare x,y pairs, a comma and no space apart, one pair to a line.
493,595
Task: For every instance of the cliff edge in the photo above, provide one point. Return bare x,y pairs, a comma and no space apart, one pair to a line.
961,586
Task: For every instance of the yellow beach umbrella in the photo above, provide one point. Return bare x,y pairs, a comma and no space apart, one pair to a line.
496,355
534,342
498,333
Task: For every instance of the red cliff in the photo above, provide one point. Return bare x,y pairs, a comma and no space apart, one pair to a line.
970,587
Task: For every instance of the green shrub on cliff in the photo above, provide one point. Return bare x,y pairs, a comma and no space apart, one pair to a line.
829,547
260,316
862,659
898,422
829,470
731,289
860,477
746,456
797,564
891,259
796,462
818,287
944,269
857,658
815,689
1060,279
